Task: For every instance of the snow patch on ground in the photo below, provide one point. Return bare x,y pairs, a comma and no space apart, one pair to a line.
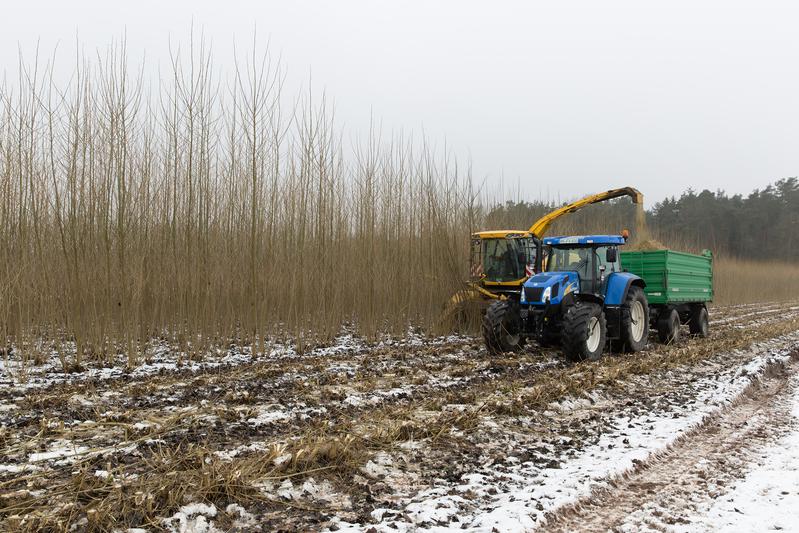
310,490
517,497
273,413
60,449
193,518
18,468
767,499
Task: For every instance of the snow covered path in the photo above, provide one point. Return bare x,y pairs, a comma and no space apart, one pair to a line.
708,480
767,498
685,449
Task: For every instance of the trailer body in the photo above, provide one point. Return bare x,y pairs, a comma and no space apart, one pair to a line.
672,278
678,287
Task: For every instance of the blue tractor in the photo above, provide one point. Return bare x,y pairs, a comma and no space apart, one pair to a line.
580,301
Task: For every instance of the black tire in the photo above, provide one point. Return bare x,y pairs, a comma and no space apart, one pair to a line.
576,332
669,327
502,327
699,324
633,336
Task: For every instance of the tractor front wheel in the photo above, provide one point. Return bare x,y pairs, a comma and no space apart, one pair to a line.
502,327
584,332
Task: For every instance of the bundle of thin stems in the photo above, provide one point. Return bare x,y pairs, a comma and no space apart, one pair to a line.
209,209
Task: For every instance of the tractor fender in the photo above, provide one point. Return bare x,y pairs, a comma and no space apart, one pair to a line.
618,285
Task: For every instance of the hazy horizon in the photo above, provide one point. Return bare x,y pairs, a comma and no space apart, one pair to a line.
550,101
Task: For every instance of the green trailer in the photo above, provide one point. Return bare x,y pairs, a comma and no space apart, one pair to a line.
678,287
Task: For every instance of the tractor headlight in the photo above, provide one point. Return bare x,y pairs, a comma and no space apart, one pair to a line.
547,294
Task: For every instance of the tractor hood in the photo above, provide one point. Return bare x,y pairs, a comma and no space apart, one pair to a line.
549,287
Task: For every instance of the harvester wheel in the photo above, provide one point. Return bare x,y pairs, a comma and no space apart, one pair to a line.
700,322
502,327
584,332
669,327
635,320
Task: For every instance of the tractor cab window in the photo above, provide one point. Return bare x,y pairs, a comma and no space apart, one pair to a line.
580,259
506,259
577,259
602,258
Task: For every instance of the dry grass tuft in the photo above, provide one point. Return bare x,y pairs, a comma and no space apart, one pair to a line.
143,492
739,281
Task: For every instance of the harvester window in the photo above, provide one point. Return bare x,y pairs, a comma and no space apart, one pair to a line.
504,259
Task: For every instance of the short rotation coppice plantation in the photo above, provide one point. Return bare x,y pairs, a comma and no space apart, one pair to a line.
209,207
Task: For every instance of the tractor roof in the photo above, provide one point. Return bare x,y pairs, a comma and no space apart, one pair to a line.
584,239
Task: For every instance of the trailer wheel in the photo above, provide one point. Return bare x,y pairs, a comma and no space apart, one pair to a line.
669,327
502,327
584,332
699,324
635,320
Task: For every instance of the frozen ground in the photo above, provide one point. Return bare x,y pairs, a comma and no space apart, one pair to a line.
417,435
767,496
519,497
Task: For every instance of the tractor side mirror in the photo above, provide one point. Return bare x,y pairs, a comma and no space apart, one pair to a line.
611,254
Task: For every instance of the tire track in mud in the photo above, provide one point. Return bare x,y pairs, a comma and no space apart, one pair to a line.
667,488
525,463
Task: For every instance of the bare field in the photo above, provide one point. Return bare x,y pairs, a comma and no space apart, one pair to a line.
412,434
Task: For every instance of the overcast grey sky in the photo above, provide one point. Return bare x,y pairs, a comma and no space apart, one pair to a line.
562,98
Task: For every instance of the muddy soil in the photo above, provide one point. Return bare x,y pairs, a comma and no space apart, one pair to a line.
391,436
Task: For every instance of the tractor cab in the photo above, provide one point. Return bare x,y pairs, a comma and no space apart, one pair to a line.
592,259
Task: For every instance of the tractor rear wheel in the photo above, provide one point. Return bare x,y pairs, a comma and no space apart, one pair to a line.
584,332
700,322
502,327
635,320
669,327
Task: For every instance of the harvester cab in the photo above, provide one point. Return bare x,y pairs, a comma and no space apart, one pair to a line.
501,261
